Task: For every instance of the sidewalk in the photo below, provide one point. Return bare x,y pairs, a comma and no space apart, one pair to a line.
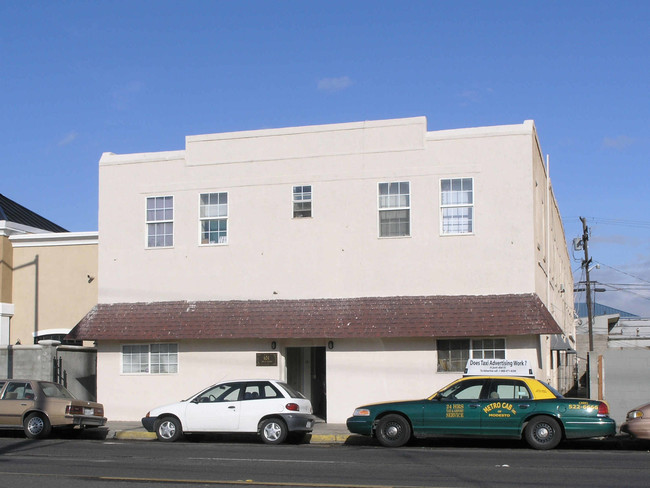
323,433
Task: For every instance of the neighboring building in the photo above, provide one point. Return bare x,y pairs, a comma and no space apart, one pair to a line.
620,359
611,329
47,284
360,262
54,284
14,220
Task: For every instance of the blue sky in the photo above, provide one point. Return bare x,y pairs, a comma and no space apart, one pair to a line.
81,78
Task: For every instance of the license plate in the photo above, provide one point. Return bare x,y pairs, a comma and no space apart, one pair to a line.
89,411
310,424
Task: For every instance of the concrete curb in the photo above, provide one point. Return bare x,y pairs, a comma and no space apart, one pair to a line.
126,435
140,435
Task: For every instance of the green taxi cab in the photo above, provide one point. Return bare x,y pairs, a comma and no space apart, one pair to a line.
487,406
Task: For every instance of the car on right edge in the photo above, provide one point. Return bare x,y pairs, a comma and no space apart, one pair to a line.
637,422
487,406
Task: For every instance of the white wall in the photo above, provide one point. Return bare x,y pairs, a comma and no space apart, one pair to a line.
337,253
359,371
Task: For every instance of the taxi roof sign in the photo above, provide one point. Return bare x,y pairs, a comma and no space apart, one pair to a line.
498,367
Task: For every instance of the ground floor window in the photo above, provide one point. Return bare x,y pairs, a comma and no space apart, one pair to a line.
454,353
150,358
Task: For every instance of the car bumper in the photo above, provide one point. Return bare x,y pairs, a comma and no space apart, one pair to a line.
87,421
637,428
148,423
359,425
598,428
299,422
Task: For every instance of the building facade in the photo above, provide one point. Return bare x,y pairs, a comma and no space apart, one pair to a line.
42,267
47,284
360,262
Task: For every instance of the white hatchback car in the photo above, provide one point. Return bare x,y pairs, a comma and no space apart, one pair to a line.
270,408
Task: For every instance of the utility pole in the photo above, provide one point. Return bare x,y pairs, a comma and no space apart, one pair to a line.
585,263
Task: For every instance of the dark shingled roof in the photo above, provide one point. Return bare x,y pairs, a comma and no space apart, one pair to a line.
16,213
433,316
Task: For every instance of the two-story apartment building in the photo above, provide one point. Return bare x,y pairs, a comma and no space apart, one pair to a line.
359,261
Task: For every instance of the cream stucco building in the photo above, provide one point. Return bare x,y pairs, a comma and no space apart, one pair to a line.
360,262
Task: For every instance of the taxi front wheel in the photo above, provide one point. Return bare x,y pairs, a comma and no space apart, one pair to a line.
543,432
393,431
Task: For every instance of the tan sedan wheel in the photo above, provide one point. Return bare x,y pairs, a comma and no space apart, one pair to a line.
37,426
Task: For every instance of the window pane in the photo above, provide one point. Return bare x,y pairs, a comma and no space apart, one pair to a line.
213,214
135,359
453,354
302,201
164,358
457,200
394,223
160,226
488,348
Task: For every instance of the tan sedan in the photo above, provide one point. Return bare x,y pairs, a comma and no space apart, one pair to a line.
637,422
38,406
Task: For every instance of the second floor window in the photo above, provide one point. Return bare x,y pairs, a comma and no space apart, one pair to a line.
214,218
457,206
301,201
394,209
160,221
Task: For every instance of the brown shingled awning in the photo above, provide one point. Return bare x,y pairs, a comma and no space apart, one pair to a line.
433,316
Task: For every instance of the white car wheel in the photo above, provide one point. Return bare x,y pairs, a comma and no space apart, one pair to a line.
168,429
273,431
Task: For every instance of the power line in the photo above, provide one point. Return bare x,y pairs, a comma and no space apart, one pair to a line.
623,272
638,224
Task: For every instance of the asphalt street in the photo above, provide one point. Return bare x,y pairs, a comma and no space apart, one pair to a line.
206,461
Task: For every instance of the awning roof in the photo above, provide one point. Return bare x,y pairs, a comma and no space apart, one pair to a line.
424,316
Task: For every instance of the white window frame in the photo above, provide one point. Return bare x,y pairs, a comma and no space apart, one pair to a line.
155,222
391,202
457,205
301,200
149,355
206,218
476,350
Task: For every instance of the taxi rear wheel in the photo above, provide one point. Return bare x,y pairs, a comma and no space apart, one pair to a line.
543,432
393,431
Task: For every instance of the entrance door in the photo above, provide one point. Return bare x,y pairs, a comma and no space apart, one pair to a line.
306,372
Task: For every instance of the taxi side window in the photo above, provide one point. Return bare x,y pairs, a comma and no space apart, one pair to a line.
509,390
464,390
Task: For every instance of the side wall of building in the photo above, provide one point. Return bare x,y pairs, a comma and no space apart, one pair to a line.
54,283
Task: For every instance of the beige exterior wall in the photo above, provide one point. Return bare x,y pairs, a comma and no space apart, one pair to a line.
337,252
6,265
352,372
51,288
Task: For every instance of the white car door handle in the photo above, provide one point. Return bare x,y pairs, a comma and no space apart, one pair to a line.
232,407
